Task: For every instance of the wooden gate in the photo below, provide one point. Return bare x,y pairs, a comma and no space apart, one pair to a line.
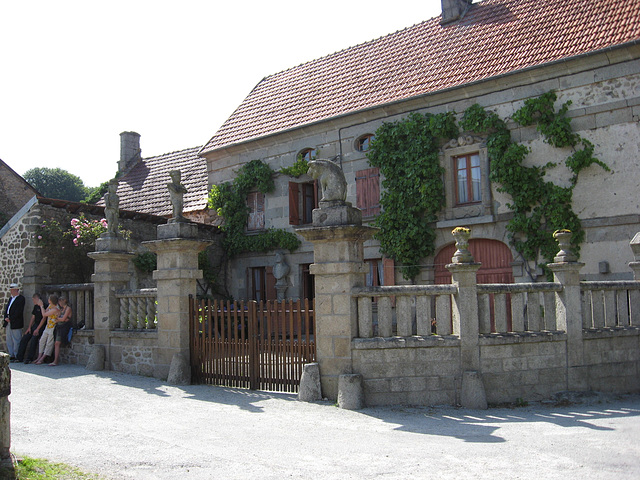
261,346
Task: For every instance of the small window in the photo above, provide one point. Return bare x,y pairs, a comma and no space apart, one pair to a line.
303,198
255,202
364,142
467,169
307,154
261,284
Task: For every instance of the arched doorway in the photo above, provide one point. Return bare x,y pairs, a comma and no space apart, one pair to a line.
495,258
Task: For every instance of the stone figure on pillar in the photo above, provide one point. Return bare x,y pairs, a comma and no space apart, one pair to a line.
333,208
176,192
280,271
111,208
333,185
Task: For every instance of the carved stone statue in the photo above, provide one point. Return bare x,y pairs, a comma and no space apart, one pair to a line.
333,185
280,271
111,208
176,192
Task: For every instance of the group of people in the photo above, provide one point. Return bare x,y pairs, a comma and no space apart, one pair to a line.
47,331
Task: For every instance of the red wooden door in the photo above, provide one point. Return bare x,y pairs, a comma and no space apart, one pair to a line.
494,256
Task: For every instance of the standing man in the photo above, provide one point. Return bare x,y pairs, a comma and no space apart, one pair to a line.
14,318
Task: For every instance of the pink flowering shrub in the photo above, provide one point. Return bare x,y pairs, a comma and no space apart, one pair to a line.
74,242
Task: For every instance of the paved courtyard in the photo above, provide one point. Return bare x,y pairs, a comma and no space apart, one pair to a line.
128,427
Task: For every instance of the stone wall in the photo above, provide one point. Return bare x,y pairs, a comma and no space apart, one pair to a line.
130,352
408,371
427,371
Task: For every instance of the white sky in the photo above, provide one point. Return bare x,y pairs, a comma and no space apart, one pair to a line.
74,74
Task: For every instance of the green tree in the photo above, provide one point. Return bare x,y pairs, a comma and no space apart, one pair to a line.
56,183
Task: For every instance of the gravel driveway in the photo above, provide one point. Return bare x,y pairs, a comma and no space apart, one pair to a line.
128,427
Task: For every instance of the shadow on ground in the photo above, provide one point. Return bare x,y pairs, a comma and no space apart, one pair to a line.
468,425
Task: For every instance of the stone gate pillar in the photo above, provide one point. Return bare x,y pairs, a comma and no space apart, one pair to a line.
177,248
111,274
464,311
338,237
566,270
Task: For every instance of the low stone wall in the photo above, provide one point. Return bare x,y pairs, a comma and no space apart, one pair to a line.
527,366
129,352
408,371
612,359
427,370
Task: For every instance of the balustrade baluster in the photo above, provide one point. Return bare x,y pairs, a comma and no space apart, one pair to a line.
517,312
365,317
403,314
385,326
484,314
443,315
423,315
533,312
500,312
610,310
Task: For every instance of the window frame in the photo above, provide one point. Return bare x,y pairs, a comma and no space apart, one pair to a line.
466,145
256,217
360,141
303,199
469,169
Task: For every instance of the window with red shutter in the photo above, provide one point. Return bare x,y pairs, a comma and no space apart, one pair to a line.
368,191
303,198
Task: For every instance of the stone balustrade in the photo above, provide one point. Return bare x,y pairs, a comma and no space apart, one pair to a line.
610,304
138,309
80,298
419,310
531,307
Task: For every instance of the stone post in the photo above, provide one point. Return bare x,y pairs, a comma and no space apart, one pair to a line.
177,248
465,320
338,268
111,274
5,413
566,270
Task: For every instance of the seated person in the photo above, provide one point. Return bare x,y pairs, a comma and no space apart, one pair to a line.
28,349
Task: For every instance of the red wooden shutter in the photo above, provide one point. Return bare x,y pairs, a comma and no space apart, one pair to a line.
294,214
368,191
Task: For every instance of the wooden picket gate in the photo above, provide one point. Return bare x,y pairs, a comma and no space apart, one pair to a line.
261,346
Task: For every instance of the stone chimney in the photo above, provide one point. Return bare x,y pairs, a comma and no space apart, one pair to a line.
453,10
130,152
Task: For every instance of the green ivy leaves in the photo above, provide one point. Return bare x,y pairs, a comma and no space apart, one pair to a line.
406,152
230,202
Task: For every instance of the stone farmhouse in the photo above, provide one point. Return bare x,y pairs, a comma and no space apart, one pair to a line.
496,53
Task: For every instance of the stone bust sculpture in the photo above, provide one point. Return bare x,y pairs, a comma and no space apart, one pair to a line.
333,185
176,192
111,206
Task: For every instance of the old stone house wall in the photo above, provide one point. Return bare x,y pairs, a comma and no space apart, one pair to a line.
604,89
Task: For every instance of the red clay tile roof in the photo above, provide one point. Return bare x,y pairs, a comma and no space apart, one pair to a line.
493,38
144,187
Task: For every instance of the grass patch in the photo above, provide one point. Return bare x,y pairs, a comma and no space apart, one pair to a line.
39,469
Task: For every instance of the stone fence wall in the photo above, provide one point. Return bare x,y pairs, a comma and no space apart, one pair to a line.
526,341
